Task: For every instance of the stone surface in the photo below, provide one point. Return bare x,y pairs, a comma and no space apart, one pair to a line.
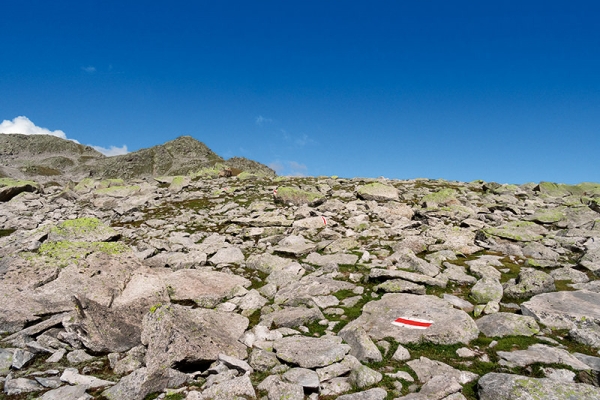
180,336
540,353
507,324
449,324
309,352
495,386
561,310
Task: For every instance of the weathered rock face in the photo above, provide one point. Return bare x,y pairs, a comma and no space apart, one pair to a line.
449,324
180,336
176,280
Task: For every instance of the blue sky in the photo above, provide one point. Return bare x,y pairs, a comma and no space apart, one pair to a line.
505,91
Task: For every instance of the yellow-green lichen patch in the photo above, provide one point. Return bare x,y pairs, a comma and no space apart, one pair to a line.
288,194
63,253
441,197
85,185
86,229
522,231
119,191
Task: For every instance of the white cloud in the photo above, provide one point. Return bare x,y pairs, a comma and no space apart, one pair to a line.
260,120
89,69
24,126
277,166
112,150
297,168
304,140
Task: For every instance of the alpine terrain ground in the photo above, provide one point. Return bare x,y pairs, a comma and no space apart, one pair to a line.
171,273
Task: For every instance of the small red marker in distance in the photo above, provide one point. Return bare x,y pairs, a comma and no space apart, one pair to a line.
324,220
274,192
412,323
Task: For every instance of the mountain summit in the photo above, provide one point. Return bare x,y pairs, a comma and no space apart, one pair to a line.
48,158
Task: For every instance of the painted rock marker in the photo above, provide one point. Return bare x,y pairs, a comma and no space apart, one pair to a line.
412,323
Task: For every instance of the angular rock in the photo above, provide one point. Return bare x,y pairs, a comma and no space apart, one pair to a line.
562,310
378,192
362,346
277,389
20,385
309,352
67,392
497,386
205,288
529,283
364,376
486,290
371,394
507,324
426,369
181,337
72,376
449,324
237,388
540,353
227,255
307,378
291,317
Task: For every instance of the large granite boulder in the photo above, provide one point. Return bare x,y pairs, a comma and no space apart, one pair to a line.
449,326
562,310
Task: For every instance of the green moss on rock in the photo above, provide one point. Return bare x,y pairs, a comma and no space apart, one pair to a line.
65,252
287,194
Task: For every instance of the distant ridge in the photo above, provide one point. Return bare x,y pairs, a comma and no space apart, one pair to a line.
49,158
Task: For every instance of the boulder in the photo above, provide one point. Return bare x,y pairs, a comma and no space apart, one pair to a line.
507,324
378,192
562,310
308,352
500,386
449,326
530,282
191,339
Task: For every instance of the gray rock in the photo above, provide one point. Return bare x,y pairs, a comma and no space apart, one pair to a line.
137,385
78,356
323,260
294,245
309,352
52,382
262,360
267,263
237,388
487,290
530,282
6,360
426,369
133,360
440,386
338,369
401,354
401,286
378,192
235,363
383,274
180,336
507,324
335,386
20,385
307,378
362,347
72,376
371,394
227,255
540,353
495,386
291,317
83,230
521,231
587,333
310,286
561,310
364,376
458,302
569,274
277,389
21,358
205,288
449,324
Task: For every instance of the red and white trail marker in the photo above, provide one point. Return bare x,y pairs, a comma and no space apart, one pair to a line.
324,220
275,192
412,323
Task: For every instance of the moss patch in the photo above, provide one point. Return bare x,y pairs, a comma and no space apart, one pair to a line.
63,253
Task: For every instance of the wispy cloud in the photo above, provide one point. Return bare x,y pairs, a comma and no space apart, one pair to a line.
90,69
288,168
112,150
260,120
303,140
25,126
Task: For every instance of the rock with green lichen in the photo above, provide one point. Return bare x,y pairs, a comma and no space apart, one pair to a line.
61,253
529,283
520,231
10,188
87,229
378,192
296,196
487,289
501,386
440,198
506,324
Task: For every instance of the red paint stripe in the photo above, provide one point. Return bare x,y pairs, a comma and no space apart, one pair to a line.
413,323
324,220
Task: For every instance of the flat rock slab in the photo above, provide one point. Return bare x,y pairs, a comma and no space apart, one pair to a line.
561,310
507,324
179,335
520,231
308,352
449,326
206,288
495,386
378,192
291,317
82,230
540,353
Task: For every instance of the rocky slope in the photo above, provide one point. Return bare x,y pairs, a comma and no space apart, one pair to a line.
207,287
46,158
